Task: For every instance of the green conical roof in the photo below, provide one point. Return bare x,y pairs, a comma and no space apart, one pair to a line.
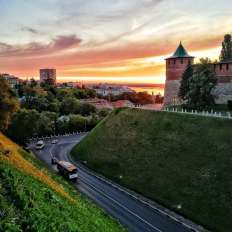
180,52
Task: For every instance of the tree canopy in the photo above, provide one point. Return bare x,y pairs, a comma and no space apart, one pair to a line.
226,53
8,104
197,85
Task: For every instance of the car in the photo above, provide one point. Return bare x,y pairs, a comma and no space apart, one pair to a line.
40,145
55,141
54,160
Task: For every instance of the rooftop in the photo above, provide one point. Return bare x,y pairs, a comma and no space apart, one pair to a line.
180,52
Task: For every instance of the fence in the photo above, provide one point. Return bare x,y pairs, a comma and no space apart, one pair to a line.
212,113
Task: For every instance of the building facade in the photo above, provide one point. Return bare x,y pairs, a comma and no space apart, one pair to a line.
114,90
176,66
12,81
48,75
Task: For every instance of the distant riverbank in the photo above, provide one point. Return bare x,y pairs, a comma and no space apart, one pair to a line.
151,90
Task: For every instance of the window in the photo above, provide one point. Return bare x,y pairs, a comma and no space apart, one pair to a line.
227,67
182,60
174,62
220,66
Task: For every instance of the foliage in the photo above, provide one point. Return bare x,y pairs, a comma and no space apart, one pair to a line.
30,123
226,53
229,105
75,93
71,105
41,104
141,98
77,123
35,199
104,112
87,109
197,85
175,159
159,99
185,85
8,104
41,108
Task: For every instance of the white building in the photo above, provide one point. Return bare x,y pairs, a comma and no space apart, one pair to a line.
115,90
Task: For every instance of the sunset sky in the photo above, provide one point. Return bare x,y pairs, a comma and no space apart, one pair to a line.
107,40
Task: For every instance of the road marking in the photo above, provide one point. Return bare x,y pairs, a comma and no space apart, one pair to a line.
116,186
122,206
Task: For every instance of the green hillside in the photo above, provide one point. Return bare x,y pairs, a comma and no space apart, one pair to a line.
34,199
181,161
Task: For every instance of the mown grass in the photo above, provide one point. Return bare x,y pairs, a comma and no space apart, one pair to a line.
34,199
181,161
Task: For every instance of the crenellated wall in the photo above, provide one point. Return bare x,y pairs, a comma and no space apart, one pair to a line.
223,91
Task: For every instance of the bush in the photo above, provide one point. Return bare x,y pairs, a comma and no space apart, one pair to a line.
229,105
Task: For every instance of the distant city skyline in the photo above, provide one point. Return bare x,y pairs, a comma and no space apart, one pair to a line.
121,41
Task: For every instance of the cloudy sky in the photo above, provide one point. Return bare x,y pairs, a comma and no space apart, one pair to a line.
107,40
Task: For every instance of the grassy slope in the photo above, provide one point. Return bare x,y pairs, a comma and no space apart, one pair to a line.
34,199
175,159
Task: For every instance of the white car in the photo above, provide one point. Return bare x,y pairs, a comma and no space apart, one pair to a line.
40,145
55,141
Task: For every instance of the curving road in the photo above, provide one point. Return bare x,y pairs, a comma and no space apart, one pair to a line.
136,215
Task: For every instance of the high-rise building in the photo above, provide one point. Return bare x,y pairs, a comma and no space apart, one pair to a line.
48,74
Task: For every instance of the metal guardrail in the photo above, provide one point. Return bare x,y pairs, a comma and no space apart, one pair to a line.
55,136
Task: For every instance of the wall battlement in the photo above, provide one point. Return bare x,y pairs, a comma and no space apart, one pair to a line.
223,72
177,64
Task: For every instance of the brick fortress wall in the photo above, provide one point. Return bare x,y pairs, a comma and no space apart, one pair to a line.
223,91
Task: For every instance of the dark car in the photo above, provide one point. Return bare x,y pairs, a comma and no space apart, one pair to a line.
54,160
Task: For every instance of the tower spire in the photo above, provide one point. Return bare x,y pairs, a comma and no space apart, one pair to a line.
180,51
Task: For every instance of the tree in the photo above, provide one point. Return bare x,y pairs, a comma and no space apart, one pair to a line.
184,84
77,122
31,123
197,86
226,53
87,109
24,125
159,99
8,104
54,106
33,83
70,105
46,124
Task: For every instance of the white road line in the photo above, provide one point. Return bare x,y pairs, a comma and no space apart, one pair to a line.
137,198
121,189
122,206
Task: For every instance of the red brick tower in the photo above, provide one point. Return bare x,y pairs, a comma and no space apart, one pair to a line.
175,67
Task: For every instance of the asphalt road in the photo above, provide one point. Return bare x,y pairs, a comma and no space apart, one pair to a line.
134,214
